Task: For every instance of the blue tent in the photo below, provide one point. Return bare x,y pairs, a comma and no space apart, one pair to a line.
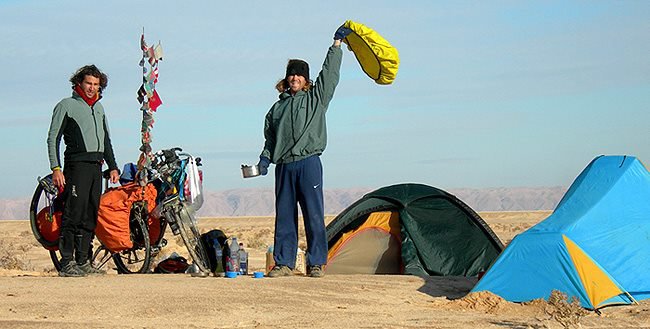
595,246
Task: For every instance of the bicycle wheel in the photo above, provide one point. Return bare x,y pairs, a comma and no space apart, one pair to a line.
138,258
192,238
41,199
55,256
101,256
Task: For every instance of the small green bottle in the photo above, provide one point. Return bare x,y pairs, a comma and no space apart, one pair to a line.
218,252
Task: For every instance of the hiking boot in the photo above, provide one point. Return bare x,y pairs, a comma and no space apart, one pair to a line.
71,270
280,270
89,269
316,271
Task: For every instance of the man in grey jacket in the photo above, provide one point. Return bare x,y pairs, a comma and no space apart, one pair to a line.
81,121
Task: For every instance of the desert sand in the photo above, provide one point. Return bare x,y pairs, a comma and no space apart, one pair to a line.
33,296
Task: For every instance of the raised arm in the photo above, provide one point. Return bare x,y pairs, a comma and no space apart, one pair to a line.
328,78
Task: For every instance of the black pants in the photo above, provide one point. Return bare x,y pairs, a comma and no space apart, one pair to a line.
83,188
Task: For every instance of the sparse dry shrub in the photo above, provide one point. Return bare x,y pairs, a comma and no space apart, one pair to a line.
566,312
24,247
12,259
260,238
8,262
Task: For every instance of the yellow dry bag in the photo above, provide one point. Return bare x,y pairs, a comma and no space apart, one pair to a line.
378,59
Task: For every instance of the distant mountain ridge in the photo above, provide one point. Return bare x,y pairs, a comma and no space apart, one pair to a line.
261,202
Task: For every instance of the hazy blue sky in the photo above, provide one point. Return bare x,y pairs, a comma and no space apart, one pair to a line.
488,94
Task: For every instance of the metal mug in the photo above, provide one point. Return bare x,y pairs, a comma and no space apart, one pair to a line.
250,171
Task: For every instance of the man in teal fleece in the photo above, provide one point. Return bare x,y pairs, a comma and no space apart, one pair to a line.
81,121
295,136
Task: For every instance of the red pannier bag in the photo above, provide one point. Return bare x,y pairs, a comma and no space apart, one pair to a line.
49,226
113,216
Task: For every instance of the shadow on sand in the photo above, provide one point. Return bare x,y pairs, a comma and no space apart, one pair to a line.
452,287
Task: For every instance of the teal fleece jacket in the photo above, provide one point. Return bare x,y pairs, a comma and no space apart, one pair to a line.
84,130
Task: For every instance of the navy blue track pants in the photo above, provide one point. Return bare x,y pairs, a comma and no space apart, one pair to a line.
299,182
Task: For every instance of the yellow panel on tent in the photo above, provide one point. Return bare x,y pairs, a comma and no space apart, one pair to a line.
598,284
372,248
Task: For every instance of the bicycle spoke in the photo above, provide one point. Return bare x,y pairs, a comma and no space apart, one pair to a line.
138,258
191,237
101,257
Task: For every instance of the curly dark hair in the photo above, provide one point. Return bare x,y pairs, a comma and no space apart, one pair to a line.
91,70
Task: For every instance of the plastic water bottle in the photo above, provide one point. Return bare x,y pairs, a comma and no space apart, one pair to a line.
243,260
232,259
270,262
218,252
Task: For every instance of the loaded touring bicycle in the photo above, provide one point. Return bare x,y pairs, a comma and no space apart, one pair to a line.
133,219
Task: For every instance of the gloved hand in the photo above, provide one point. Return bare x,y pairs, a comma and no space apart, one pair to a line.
341,33
263,165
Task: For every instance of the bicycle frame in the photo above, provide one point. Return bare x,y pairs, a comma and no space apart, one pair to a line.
177,211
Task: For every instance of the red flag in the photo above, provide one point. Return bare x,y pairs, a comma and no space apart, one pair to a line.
154,101
143,45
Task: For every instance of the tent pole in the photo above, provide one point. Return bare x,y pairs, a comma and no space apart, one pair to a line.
632,298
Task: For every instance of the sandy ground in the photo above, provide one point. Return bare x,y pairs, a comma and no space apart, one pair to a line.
32,296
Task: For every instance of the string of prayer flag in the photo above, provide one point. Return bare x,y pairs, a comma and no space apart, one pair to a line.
149,99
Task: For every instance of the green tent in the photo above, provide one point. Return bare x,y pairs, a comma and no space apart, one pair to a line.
413,229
